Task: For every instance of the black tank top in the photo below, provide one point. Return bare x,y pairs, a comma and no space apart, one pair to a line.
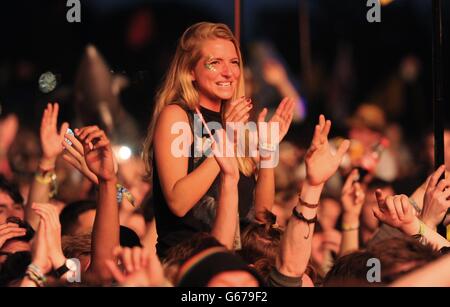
172,229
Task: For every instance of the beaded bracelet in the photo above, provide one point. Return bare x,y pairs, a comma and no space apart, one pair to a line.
121,192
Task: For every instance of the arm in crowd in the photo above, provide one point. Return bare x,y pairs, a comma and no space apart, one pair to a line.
321,164
181,190
352,199
226,221
275,74
105,233
397,212
51,141
268,159
430,275
46,251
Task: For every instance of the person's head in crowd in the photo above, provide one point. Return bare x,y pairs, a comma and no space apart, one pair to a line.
329,212
260,246
11,201
367,124
186,249
369,223
217,267
396,256
79,245
78,217
23,157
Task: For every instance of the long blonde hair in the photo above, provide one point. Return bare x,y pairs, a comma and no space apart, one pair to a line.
178,87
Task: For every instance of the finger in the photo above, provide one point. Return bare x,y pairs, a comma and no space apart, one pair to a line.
238,108
102,143
83,132
72,151
72,161
239,113
16,231
115,271
321,121
8,225
136,256
390,206
326,130
12,234
262,115
99,134
75,143
378,214
435,177
350,179
345,145
398,207
381,198
127,260
63,129
55,114
406,207
281,107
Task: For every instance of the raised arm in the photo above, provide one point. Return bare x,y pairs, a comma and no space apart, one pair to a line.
105,233
225,224
352,199
321,164
51,141
268,155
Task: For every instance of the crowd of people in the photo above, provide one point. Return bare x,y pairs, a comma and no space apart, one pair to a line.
215,201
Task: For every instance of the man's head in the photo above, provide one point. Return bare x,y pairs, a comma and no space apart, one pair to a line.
11,202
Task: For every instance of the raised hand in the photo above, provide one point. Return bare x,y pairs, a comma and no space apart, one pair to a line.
50,219
274,73
9,231
74,155
142,268
50,137
353,196
321,161
98,152
436,200
238,111
39,250
228,163
397,212
282,117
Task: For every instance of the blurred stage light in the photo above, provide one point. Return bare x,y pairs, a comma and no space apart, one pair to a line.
124,153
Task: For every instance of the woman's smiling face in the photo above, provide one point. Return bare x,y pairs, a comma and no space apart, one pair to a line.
217,72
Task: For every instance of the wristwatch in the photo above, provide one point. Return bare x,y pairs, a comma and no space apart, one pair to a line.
69,265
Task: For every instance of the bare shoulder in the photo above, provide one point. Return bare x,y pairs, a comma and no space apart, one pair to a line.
172,113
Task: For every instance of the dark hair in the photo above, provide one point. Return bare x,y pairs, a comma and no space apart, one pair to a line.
200,241
11,189
69,215
398,256
14,267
